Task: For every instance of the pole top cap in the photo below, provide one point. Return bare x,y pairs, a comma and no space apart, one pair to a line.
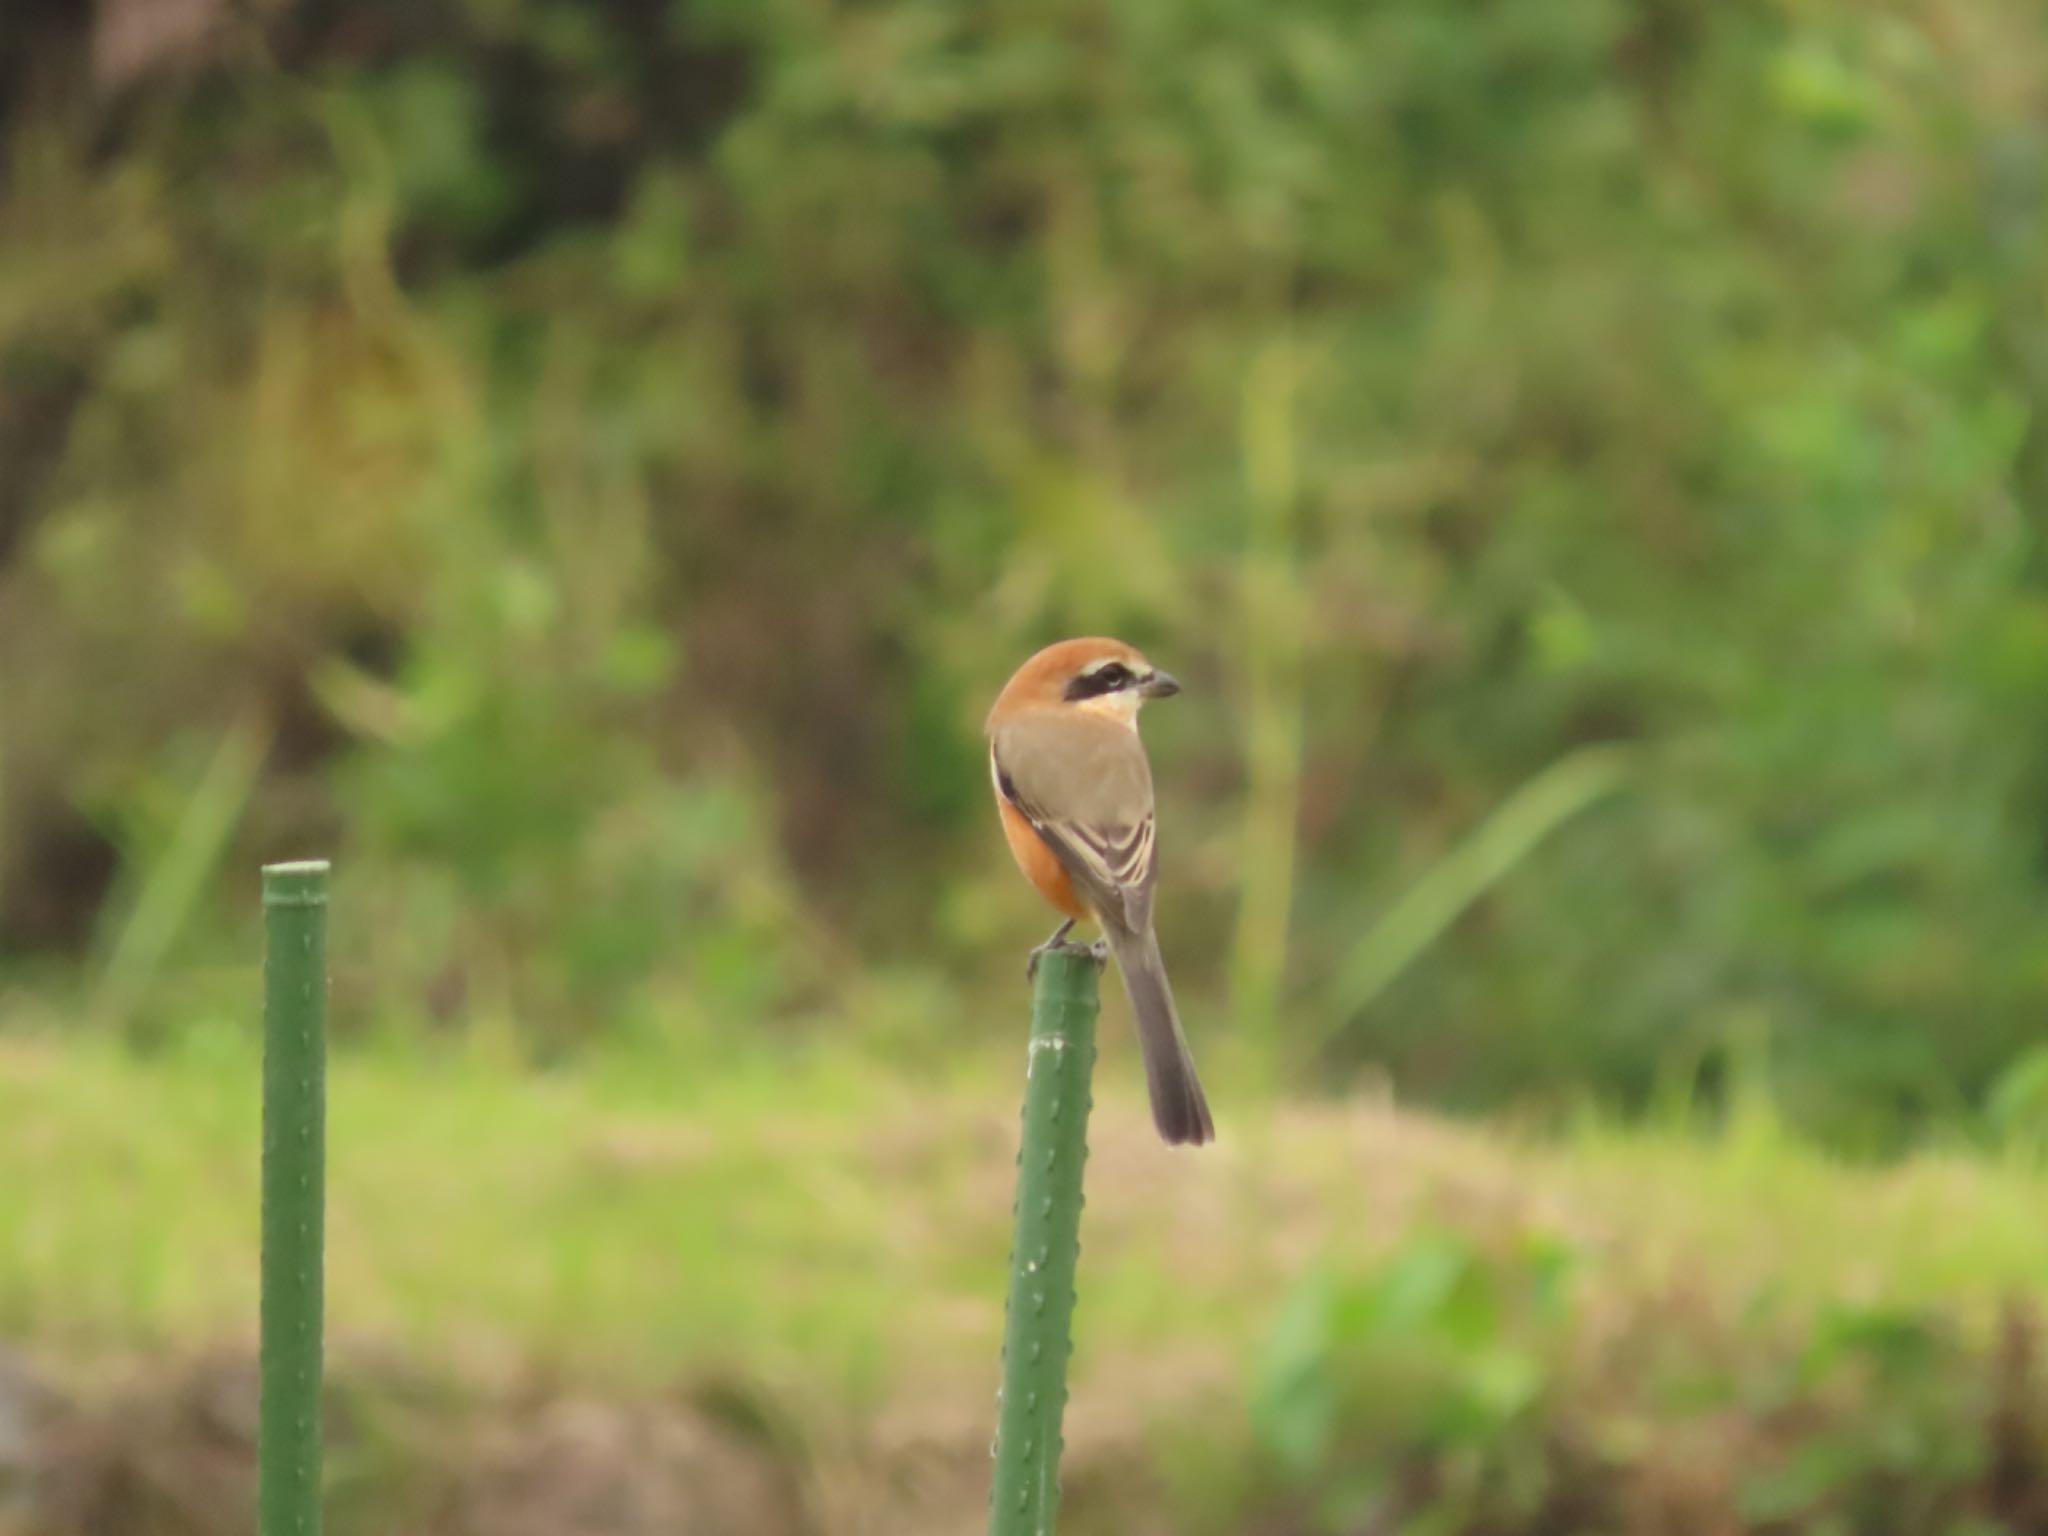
299,884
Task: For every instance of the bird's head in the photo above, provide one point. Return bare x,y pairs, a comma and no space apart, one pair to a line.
1101,676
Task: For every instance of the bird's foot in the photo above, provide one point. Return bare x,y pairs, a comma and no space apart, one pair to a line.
1058,944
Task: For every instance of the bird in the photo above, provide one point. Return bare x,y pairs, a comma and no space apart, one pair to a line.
1074,791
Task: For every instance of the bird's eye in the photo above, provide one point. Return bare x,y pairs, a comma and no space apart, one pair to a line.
1109,677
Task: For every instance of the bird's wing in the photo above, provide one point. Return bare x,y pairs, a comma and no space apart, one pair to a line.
1090,799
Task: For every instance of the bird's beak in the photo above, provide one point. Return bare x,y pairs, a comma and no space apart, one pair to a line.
1160,685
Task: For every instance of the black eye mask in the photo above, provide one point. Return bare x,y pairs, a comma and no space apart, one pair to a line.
1112,677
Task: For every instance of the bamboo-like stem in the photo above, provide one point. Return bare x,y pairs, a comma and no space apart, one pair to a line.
294,1196
1038,1318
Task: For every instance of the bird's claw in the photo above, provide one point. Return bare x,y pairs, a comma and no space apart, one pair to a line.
1098,952
1058,942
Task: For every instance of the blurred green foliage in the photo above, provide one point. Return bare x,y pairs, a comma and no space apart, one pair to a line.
1438,1357
608,454
1452,1389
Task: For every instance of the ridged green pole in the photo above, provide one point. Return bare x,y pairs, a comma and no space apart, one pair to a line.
1037,1339
294,1196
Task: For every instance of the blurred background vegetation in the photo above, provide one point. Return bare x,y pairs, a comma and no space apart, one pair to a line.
587,466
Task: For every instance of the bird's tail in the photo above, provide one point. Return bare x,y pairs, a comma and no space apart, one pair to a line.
1178,1106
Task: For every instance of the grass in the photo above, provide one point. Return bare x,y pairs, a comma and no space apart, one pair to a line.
818,1219
1339,1306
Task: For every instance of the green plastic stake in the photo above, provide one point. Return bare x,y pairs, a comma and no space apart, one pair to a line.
294,1196
1037,1325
